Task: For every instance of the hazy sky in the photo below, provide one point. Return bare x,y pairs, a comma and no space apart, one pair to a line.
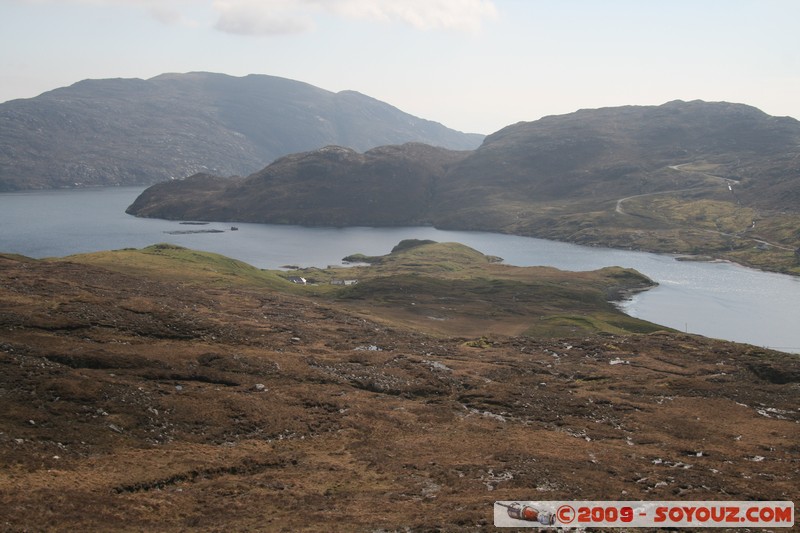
474,65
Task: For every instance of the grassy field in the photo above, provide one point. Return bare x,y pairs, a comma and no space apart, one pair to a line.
707,226
171,262
439,288
451,289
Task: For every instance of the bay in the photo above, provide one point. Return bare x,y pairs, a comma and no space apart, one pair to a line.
720,300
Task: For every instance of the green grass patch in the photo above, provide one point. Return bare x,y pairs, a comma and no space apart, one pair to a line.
458,286
170,262
568,325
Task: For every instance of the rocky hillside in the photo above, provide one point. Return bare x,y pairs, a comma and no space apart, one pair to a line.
335,186
132,131
688,177
614,152
171,390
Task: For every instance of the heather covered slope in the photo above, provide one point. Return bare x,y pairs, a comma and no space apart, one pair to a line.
620,151
166,389
132,131
602,155
712,179
335,186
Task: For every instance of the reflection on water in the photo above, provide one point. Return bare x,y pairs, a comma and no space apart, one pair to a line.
713,299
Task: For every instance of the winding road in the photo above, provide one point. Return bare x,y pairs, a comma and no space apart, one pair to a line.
727,181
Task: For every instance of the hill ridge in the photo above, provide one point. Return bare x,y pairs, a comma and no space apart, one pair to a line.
131,131
560,177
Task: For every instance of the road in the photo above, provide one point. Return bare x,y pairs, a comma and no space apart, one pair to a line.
727,181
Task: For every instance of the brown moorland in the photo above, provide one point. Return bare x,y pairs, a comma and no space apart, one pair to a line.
168,390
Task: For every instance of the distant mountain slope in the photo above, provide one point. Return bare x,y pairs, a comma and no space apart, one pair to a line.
689,177
613,152
335,186
132,131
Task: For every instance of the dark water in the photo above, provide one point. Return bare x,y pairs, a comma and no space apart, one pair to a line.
719,300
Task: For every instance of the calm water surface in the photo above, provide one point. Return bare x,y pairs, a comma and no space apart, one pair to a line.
719,300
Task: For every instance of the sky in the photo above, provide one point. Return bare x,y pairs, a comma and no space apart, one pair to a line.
473,65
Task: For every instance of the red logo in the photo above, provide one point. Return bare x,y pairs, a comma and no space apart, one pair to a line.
565,514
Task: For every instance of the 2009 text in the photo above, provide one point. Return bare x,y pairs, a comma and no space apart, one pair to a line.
645,514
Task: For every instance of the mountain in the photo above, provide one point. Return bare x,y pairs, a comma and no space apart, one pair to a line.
335,186
132,131
612,152
687,177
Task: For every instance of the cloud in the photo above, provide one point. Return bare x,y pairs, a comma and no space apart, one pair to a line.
147,4
275,17
164,14
269,17
462,15
165,11
262,17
